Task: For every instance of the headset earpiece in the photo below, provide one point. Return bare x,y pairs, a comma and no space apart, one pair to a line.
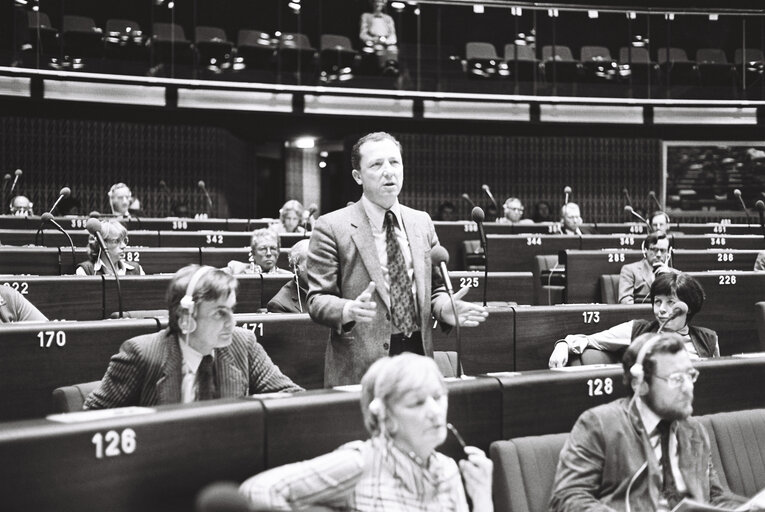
643,249
637,370
186,321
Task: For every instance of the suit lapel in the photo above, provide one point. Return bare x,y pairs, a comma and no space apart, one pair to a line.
169,386
361,233
231,382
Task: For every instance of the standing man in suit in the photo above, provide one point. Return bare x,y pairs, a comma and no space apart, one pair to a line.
635,279
369,271
202,355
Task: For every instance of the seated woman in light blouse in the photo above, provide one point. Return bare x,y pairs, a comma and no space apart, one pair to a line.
404,404
672,294
116,239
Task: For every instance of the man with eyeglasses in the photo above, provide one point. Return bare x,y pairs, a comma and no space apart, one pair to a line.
635,279
264,253
514,212
644,452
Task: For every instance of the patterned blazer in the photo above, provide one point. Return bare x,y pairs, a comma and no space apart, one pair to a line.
147,371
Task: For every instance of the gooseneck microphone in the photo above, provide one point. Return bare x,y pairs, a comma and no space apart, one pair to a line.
567,193
305,221
737,193
65,192
760,205
627,196
679,309
17,173
440,257
486,189
6,179
478,217
48,217
201,184
631,211
467,198
94,228
652,195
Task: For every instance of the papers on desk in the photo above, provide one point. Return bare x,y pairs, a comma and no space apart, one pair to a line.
750,355
688,505
83,416
585,367
503,374
348,387
275,394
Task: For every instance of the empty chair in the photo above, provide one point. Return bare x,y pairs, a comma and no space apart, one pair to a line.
71,398
170,44
714,68
483,61
521,61
642,70
256,49
81,37
676,68
597,64
213,47
123,39
337,56
295,53
559,65
42,36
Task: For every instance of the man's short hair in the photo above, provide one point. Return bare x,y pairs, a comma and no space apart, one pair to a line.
659,213
654,237
566,207
511,200
298,252
213,285
370,137
264,234
118,186
662,343
685,287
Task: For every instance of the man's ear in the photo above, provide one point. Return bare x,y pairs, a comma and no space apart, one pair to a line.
356,176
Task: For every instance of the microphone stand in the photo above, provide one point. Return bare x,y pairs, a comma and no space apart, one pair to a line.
450,293
102,245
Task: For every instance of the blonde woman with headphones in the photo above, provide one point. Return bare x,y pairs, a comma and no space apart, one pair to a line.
404,404
644,453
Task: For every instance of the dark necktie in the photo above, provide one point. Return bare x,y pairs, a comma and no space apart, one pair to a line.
404,315
669,487
206,389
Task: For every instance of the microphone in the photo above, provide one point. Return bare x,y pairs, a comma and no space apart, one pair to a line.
486,189
478,217
627,196
221,497
18,173
631,211
567,191
313,209
304,222
47,216
737,193
6,179
440,257
262,309
65,192
469,201
760,205
201,184
680,308
94,228
652,195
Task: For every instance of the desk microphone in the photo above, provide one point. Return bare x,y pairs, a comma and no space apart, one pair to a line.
17,173
486,189
467,198
47,216
262,309
627,196
65,192
632,212
94,228
760,205
567,192
737,193
305,221
201,184
478,217
678,309
440,257
6,179
652,195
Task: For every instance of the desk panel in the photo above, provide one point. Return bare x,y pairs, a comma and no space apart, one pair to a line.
614,241
49,237
174,452
62,297
177,224
719,241
717,228
294,342
43,261
538,327
515,287
713,259
220,256
158,260
584,268
37,357
450,236
515,253
638,229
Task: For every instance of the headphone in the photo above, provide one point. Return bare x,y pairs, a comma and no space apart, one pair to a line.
637,371
186,320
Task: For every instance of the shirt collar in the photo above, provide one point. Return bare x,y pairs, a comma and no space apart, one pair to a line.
121,264
191,357
376,213
649,418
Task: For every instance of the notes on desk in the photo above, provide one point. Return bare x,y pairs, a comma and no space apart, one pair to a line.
83,416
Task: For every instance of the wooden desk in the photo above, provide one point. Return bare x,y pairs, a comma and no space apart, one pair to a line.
62,297
515,253
719,241
538,327
717,228
713,259
549,401
168,260
503,286
179,224
220,256
584,268
638,229
42,261
613,241
154,462
38,357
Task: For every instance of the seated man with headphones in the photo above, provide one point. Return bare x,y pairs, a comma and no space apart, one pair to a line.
202,355
645,452
676,298
291,298
635,279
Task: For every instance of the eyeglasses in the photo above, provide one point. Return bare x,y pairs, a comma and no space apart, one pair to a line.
116,241
657,249
678,379
514,208
263,250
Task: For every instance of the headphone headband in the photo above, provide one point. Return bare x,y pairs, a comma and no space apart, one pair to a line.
637,370
187,302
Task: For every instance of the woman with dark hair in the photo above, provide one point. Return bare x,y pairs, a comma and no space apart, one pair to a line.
404,404
116,239
676,298
542,212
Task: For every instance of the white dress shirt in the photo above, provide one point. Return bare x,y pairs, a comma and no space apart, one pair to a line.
191,361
